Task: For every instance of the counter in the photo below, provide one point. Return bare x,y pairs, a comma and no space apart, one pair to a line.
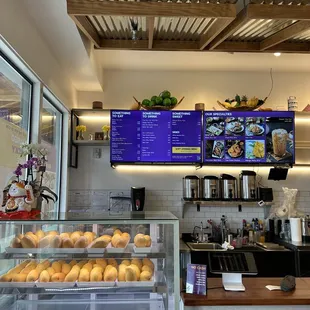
256,294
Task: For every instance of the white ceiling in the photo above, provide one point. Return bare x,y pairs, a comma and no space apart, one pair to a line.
192,61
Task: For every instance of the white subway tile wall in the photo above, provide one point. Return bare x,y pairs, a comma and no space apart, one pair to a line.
167,200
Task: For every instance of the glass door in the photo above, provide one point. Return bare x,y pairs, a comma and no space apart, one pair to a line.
51,139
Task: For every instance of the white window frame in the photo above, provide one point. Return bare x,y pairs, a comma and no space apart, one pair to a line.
38,89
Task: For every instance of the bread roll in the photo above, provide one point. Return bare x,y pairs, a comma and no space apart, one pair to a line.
117,232
20,236
106,238
88,266
16,243
140,241
96,274
29,268
58,277
32,276
148,240
110,274
64,235
50,271
102,262
126,236
7,277
75,236
119,241
145,276
81,243
84,275
57,267
21,277
19,268
98,266
55,242
99,244
115,239
137,262
113,262
72,263
28,242
147,268
40,234
53,232
67,243
136,269
40,267
148,262
126,262
65,268
92,261
121,272
44,276
130,274
89,236
46,263
61,262
73,275
45,242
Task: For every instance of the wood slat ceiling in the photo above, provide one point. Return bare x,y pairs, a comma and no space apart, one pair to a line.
262,26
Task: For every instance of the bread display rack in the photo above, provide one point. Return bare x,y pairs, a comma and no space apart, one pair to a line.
90,257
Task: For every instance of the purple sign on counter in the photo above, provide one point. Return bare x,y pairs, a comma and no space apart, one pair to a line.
156,136
196,281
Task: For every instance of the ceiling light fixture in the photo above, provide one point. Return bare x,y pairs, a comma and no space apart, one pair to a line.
277,54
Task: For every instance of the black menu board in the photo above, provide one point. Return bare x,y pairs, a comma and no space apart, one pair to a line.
156,136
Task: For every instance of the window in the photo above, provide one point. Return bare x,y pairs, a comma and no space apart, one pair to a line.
15,100
51,138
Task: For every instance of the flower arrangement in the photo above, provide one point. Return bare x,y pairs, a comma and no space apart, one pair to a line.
80,128
32,185
106,128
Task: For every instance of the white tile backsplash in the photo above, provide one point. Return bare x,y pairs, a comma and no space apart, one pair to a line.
167,200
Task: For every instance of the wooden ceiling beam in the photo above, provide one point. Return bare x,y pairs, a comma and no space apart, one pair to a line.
144,45
239,21
267,11
151,26
87,28
216,28
285,34
150,8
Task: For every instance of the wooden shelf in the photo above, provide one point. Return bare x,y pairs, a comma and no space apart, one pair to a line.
91,112
92,142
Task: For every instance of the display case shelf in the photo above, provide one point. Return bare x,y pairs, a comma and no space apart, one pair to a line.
92,142
226,203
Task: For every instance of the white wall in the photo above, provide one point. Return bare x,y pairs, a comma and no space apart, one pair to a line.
207,87
19,30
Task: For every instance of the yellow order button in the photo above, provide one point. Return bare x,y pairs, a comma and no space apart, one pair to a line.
188,150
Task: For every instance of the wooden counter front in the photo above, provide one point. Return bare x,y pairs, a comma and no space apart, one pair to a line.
255,293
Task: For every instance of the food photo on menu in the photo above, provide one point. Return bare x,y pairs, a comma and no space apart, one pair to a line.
234,149
215,149
254,126
280,140
255,149
234,126
215,126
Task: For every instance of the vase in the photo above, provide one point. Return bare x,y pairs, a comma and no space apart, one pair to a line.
80,135
106,135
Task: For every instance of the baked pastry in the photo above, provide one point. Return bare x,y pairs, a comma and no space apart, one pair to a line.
58,277
28,242
44,276
145,276
130,274
81,243
110,274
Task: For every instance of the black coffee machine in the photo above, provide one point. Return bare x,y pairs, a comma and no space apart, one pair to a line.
137,198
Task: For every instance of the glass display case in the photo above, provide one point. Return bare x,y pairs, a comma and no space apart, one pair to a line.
90,261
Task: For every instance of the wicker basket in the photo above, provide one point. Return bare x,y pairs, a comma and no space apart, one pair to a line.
243,108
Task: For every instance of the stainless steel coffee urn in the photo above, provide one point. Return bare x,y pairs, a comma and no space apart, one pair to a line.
191,187
210,187
248,186
305,228
229,187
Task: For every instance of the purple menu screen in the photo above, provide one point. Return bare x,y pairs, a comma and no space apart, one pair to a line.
249,137
156,136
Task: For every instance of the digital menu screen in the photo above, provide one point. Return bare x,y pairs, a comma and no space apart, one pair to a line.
249,137
156,136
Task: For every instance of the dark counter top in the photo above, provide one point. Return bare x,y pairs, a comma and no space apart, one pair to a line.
256,293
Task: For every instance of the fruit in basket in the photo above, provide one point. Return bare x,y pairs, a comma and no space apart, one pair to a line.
167,102
148,262
110,274
146,102
55,242
44,276
19,277
165,94
16,243
56,266
58,277
84,275
145,276
130,274
28,242
67,243
174,100
242,103
32,276
96,274
81,243
159,100
154,98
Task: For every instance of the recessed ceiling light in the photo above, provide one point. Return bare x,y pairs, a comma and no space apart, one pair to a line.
277,54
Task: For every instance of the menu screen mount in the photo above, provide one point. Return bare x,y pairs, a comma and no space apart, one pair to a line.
156,137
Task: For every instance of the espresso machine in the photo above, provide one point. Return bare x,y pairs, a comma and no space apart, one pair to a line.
137,198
